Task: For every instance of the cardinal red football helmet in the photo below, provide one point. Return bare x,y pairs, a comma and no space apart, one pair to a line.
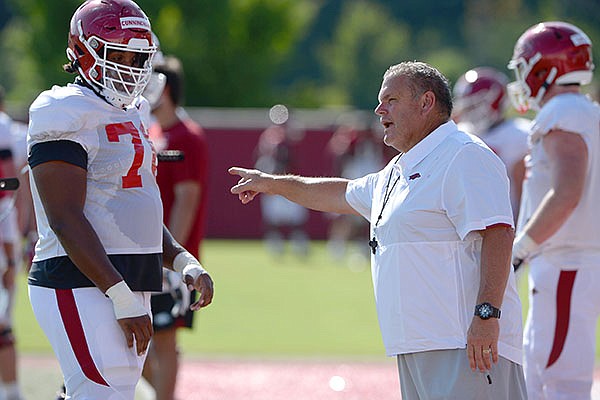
549,53
99,27
480,98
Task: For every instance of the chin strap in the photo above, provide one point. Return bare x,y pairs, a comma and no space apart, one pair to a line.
82,82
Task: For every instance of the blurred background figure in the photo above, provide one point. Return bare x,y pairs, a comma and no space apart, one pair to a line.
357,149
480,104
183,180
23,200
9,254
274,154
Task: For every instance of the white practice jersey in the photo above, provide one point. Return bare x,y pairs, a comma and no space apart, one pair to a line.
123,200
577,242
5,131
509,140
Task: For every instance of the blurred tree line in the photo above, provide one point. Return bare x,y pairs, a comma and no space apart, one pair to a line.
305,53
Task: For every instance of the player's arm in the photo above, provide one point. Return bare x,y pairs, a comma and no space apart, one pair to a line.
568,159
187,197
64,210
517,176
321,194
193,273
495,267
8,277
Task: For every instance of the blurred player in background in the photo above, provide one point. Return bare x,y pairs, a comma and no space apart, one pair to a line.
357,150
9,256
274,153
183,184
558,224
480,108
102,242
23,201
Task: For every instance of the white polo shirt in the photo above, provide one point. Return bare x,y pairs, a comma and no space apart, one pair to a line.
426,268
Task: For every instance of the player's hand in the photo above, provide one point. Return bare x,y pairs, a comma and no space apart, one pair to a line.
523,246
251,183
138,328
131,316
204,285
482,343
8,278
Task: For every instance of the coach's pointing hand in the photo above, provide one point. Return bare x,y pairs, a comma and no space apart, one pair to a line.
251,183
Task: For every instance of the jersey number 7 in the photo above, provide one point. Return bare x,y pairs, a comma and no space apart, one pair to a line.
114,131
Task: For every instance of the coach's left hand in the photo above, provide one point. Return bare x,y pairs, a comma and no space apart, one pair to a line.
482,342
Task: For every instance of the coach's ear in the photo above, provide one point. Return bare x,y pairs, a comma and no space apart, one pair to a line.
427,102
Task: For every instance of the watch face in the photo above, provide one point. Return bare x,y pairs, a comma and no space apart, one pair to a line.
485,311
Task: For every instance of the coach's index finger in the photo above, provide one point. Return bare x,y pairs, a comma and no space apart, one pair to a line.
237,171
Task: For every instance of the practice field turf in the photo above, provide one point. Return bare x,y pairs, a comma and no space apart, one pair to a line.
266,305
269,306
280,314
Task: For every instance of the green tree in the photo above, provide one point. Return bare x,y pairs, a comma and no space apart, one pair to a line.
305,53
230,49
36,39
491,28
365,43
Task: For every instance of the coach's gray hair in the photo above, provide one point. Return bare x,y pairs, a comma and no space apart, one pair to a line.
423,77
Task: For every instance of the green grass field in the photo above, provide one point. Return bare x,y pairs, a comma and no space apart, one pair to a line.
268,306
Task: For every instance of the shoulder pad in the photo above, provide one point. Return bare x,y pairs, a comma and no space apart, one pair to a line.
61,111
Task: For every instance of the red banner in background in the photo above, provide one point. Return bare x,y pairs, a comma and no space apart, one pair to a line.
227,217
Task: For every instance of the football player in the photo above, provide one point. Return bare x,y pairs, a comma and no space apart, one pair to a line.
9,241
98,209
558,223
480,103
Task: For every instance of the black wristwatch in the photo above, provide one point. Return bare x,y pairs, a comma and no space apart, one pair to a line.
487,311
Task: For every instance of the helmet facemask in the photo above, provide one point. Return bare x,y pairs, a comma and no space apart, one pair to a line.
118,83
519,91
476,110
154,89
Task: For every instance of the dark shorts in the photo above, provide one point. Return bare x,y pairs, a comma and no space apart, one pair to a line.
168,310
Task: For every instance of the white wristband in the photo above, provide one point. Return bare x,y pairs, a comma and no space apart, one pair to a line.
523,246
186,264
125,303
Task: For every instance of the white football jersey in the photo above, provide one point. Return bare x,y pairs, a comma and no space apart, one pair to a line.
5,131
578,239
509,140
123,200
